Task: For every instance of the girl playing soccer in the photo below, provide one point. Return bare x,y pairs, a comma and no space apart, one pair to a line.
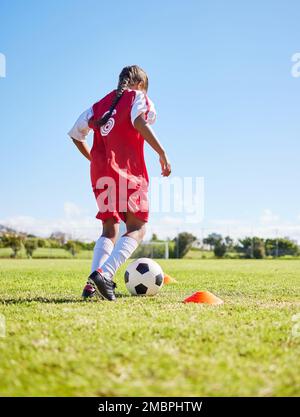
119,177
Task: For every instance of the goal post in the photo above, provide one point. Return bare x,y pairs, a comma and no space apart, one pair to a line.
153,249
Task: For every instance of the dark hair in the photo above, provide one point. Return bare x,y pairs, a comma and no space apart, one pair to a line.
129,76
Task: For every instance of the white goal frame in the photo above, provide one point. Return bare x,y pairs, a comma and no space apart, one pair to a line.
164,243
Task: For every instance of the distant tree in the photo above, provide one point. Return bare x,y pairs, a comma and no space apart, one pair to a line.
89,245
72,247
229,243
59,237
244,247
219,245
154,237
259,251
80,244
281,247
252,247
13,241
212,239
42,243
220,249
53,244
183,243
84,245
30,246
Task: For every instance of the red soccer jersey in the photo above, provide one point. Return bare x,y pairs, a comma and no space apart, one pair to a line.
118,172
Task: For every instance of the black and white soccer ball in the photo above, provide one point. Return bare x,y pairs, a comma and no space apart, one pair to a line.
144,277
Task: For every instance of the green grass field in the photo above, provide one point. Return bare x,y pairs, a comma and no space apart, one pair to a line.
56,344
52,253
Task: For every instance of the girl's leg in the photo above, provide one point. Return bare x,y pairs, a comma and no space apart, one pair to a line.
105,243
136,228
103,248
125,246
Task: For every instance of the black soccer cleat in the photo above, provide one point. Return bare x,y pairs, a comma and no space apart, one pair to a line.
104,287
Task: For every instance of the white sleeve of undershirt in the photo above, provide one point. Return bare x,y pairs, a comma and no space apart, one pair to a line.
81,127
143,105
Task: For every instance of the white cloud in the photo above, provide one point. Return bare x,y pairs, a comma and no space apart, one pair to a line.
71,210
169,226
74,223
171,220
242,228
268,217
81,225
226,222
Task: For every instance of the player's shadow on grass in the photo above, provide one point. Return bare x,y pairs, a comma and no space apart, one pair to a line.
54,300
45,300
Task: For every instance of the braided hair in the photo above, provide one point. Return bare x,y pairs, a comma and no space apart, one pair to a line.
128,77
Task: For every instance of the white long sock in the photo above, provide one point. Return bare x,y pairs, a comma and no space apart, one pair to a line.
123,249
103,248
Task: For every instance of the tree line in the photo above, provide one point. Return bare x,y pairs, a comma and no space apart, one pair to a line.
247,247
30,243
251,247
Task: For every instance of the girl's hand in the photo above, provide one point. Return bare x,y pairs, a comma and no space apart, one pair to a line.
165,165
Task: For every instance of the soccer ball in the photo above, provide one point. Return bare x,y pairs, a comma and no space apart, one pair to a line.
144,277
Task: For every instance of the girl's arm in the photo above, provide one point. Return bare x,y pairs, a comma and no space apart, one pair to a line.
79,132
145,130
83,147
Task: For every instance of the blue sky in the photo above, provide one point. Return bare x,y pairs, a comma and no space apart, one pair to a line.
220,76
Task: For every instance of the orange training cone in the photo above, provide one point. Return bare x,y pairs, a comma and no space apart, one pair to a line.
169,280
203,297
